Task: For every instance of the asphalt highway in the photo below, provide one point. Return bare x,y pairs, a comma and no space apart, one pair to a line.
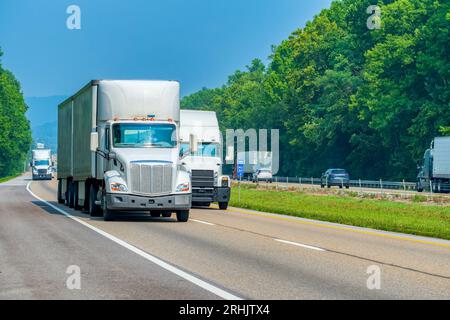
216,255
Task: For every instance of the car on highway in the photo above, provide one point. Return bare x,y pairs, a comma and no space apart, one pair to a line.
263,174
335,177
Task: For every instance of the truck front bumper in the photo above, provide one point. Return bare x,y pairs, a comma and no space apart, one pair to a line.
127,202
216,194
41,176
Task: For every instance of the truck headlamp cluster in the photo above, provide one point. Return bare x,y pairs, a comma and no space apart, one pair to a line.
225,182
118,187
183,187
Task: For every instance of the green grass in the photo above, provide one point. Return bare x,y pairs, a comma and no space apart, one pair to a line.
412,218
4,179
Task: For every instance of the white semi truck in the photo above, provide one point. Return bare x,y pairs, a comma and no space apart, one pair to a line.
41,164
204,163
118,150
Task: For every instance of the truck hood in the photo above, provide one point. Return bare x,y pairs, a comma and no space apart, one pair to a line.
41,167
128,155
204,163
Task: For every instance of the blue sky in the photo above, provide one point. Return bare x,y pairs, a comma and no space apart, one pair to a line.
199,42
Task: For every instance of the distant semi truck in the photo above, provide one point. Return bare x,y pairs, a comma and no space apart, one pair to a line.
205,163
41,164
118,150
435,171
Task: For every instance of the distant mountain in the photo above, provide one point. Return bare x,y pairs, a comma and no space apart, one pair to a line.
43,110
43,116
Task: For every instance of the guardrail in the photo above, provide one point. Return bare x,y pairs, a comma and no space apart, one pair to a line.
372,184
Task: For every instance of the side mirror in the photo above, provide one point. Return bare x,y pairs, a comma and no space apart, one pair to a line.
193,143
94,141
112,156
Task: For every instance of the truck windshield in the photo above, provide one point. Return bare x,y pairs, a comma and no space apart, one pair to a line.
204,150
41,162
132,135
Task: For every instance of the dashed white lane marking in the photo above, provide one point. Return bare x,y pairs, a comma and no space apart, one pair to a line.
202,284
203,222
299,245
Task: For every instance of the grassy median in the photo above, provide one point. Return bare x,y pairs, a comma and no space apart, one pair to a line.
4,179
414,218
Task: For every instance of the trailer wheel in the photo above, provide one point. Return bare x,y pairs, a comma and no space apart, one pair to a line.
93,209
60,199
71,194
183,215
76,196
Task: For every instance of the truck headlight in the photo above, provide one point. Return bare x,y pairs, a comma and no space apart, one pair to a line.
225,181
35,171
118,187
183,187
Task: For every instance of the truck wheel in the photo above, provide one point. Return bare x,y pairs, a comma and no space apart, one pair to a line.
108,215
183,215
93,209
223,205
71,195
76,196
167,214
60,199
155,214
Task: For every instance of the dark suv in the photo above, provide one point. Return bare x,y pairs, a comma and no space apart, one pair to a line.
335,177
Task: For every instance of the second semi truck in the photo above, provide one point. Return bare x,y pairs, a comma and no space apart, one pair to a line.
118,150
204,163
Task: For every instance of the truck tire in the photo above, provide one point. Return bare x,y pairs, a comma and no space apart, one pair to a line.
223,205
60,199
108,215
71,200
93,209
167,214
183,215
155,214
76,196
419,186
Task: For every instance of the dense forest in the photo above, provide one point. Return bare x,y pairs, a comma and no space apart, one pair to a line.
15,135
345,95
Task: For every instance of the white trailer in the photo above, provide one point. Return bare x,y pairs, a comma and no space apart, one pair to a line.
204,163
118,150
435,171
41,164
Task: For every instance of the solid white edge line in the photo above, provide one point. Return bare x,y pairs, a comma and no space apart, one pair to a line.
299,245
203,222
198,282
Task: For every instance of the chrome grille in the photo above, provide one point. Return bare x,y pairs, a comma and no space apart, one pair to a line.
202,178
151,178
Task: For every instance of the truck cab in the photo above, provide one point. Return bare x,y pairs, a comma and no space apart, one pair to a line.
201,153
118,150
41,165
434,172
